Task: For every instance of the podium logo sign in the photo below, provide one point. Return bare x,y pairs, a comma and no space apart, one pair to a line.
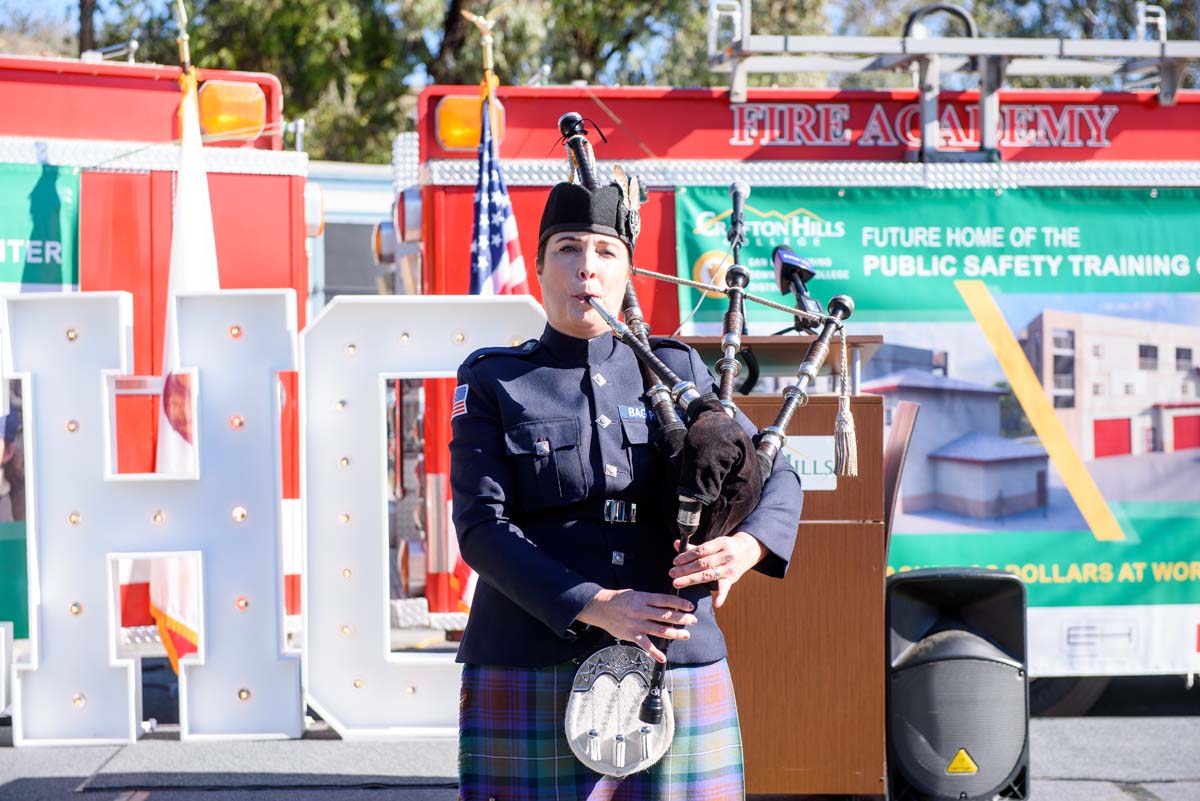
813,459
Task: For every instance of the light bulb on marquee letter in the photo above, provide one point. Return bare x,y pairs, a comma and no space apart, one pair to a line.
73,689
353,680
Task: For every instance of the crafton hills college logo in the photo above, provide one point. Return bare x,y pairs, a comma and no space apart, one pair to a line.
798,226
710,268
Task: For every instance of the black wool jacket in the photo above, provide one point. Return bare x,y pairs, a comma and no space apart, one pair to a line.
545,433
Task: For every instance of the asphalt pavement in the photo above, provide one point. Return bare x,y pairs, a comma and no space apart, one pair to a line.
1141,743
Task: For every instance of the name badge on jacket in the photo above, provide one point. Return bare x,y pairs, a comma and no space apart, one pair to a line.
639,414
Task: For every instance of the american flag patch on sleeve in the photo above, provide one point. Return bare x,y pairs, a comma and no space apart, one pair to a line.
460,401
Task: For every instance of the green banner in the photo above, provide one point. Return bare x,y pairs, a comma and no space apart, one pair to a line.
1098,291
39,227
14,581
898,251
39,251
1161,565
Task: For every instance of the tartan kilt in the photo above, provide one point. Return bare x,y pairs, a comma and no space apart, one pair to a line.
511,745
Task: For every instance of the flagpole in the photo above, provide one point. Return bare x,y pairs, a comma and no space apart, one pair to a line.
185,55
187,85
490,81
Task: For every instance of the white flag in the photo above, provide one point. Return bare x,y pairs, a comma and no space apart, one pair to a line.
173,589
193,269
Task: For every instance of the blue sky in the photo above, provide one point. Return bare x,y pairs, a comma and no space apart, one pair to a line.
59,10
1179,307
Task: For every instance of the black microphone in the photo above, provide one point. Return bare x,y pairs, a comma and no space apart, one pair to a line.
792,274
788,265
739,190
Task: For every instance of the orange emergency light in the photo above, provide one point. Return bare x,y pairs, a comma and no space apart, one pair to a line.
383,242
457,122
233,109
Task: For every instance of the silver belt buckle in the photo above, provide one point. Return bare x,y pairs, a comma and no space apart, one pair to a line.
620,511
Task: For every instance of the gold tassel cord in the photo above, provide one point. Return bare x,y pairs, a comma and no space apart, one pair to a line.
845,441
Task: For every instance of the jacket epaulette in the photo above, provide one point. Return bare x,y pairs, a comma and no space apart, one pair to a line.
524,350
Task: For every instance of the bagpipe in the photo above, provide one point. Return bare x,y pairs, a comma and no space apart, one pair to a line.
619,717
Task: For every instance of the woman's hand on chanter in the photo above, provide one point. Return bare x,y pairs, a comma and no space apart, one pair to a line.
637,616
723,560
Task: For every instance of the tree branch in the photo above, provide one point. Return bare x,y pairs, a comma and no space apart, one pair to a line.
620,46
454,35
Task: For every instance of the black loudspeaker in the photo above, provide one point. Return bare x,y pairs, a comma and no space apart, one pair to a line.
957,690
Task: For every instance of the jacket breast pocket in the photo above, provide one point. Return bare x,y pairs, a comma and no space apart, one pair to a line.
548,461
639,448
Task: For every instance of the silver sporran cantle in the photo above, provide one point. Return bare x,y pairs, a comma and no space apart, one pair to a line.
602,724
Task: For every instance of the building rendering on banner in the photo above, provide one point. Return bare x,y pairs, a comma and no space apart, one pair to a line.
896,358
957,461
1119,385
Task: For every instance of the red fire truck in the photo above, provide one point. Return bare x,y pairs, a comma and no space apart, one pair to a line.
818,161
105,131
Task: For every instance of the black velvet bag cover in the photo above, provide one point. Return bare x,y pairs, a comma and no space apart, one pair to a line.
719,468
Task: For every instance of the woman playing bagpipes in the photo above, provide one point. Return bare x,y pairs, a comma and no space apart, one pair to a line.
566,509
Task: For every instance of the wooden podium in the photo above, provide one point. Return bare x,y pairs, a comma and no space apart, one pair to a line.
807,653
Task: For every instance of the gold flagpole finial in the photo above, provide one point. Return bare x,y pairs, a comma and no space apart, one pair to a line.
486,23
185,56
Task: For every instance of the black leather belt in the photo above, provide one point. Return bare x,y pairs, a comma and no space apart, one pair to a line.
608,510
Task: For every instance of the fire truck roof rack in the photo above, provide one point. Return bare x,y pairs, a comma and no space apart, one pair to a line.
125,49
1142,62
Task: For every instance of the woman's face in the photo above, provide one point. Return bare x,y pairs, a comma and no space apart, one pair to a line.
576,266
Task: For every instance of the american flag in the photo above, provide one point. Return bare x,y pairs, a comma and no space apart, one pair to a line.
497,267
460,401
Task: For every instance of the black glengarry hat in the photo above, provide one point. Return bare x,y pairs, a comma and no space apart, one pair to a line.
606,210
